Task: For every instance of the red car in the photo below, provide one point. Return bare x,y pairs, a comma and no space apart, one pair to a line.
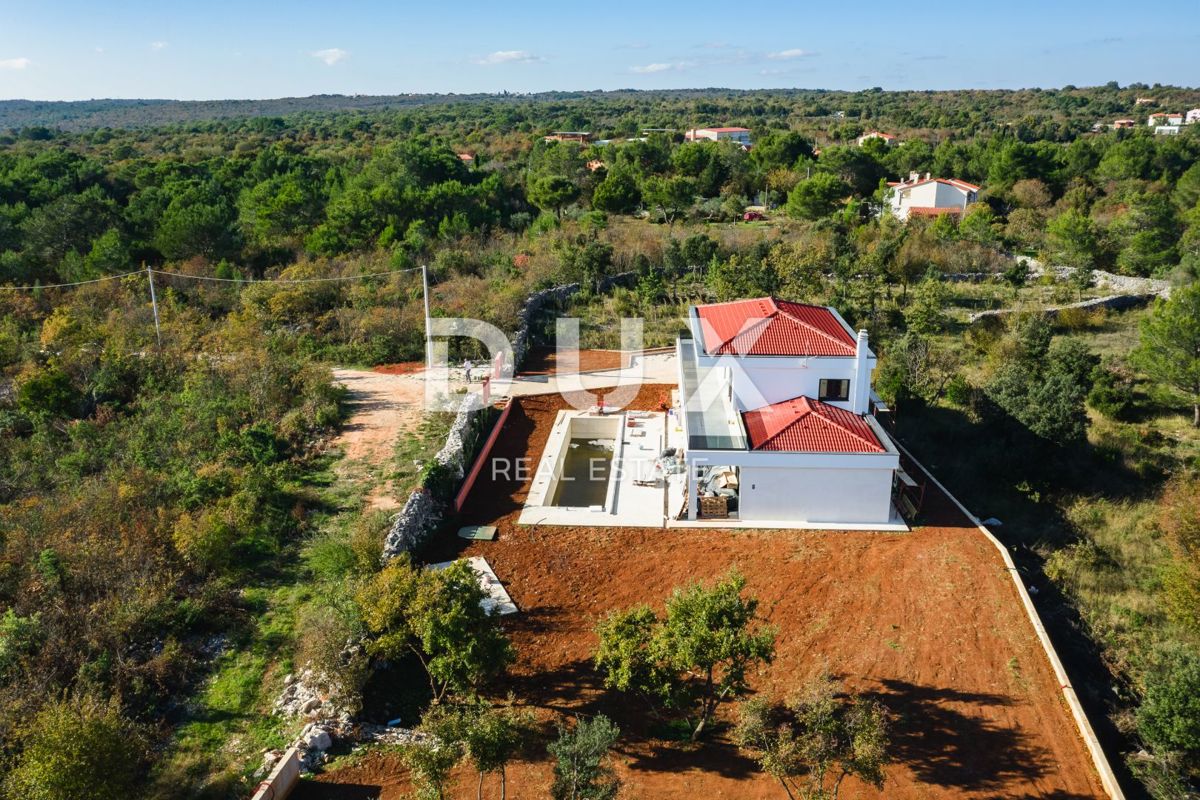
753,216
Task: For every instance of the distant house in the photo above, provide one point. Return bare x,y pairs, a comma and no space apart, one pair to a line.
739,135
1192,117
579,137
1123,123
466,158
595,164
1164,118
1145,101
1166,130
887,138
928,196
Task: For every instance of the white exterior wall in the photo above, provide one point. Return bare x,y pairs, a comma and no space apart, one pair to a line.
932,194
761,381
820,495
741,137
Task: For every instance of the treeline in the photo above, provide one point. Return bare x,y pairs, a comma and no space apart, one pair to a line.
255,196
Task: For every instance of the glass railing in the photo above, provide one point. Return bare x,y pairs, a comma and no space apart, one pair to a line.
711,421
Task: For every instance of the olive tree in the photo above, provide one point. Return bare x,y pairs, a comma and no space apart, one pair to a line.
694,657
820,738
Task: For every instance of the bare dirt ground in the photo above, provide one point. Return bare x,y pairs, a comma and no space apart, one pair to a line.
383,407
544,361
928,622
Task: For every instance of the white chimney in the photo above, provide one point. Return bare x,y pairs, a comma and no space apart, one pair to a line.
860,387
927,174
913,177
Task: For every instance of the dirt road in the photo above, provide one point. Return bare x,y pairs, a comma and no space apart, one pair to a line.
382,408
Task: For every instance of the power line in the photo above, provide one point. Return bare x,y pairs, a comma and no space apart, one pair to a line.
76,283
35,287
286,280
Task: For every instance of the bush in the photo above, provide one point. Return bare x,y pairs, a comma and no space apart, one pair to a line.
1112,391
76,748
959,391
579,769
1169,717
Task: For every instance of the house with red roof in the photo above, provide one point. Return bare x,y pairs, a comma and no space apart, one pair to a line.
929,196
777,415
887,138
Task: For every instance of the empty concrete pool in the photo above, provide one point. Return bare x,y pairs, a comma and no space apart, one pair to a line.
599,470
586,467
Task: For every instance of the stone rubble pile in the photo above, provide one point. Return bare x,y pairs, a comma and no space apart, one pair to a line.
303,697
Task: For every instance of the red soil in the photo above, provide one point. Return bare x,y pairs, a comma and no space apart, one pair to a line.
928,622
403,368
544,361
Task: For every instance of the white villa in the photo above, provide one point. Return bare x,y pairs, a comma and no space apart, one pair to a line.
778,419
738,135
929,196
1165,118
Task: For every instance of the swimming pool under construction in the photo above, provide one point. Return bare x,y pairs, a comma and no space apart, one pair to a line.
600,470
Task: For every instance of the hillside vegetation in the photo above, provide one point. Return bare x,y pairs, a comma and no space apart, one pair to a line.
169,530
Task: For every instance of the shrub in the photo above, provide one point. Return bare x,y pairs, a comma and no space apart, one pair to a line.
438,617
1112,391
79,747
579,769
1169,717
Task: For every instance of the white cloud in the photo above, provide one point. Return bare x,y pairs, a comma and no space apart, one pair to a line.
160,45
330,55
651,69
508,57
788,55
14,63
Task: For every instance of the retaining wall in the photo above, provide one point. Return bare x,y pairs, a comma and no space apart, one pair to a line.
282,779
1114,302
423,511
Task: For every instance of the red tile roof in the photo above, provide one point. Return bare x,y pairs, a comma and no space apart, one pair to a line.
725,130
770,327
933,211
955,182
805,425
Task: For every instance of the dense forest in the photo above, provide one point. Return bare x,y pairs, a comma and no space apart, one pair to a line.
161,495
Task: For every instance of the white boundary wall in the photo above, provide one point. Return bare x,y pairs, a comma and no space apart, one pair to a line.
282,779
1107,778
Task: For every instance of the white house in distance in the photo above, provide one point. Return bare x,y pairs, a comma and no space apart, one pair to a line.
1164,118
1192,117
929,196
887,138
739,135
778,419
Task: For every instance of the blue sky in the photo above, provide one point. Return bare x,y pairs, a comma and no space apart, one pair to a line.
65,49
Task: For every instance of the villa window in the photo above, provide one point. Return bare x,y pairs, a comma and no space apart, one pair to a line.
835,389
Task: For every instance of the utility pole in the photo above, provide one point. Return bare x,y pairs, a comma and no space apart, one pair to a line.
154,305
428,337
